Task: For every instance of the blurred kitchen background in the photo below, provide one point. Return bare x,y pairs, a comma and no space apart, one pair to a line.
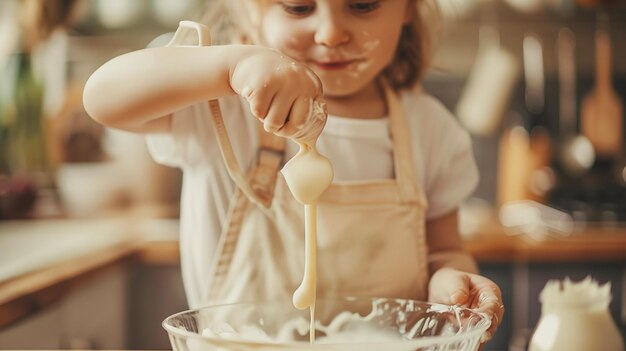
88,222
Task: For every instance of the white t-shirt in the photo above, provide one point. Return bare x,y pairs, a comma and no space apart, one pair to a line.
359,149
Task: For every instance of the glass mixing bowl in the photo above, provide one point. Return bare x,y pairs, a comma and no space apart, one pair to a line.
347,324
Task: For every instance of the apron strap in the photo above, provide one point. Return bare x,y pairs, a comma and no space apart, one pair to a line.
403,154
270,160
263,178
226,246
260,190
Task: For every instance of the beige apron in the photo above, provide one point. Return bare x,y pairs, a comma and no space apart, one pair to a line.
371,239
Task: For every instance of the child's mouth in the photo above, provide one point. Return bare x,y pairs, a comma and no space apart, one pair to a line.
333,65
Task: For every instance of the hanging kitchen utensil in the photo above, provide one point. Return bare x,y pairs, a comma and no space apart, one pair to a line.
513,161
576,151
540,174
534,81
602,110
487,93
525,147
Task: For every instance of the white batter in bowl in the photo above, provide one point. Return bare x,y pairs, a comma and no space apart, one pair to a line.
347,324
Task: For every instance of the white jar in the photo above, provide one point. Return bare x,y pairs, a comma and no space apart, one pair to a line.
575,317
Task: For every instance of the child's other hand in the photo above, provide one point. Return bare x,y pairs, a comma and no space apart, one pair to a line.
454,287
286,96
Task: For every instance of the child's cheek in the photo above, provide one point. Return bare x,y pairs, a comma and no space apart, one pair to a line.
287,40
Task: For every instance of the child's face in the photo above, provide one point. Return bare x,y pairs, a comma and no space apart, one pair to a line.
346,42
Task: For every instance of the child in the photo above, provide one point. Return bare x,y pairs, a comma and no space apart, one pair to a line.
387,226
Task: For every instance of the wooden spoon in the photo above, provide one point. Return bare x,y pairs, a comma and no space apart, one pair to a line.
602,109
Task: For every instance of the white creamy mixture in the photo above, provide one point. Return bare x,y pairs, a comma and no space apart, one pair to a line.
346,327
389,326
308,174
575,316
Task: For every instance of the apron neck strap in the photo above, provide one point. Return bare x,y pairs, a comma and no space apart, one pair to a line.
404,163
260,189
269,161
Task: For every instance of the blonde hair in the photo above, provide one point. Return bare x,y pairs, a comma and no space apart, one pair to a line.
231,21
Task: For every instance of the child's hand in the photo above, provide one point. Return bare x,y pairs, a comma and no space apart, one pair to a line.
454,287
286,96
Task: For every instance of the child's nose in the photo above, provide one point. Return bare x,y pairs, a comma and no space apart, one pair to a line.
331,33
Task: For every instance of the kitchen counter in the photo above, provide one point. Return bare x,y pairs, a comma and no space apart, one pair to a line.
85,246
596,244
41,259
492,243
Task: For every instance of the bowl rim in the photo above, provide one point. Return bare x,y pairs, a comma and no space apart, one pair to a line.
420,342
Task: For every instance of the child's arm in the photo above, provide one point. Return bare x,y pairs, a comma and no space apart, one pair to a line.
139,90
454,278
445,247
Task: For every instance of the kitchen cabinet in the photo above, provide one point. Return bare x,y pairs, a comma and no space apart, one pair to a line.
501,274
88,283
155,292
89,313
40,331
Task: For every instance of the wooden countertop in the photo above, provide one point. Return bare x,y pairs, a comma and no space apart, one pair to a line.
35,287
585,245
29,292
593,245
492,243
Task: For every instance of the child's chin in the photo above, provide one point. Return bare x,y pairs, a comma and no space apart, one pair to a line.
340,90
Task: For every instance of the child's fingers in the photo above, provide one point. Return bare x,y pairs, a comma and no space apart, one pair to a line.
296,123
260,100
278,113
460,297
490,302
450,287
